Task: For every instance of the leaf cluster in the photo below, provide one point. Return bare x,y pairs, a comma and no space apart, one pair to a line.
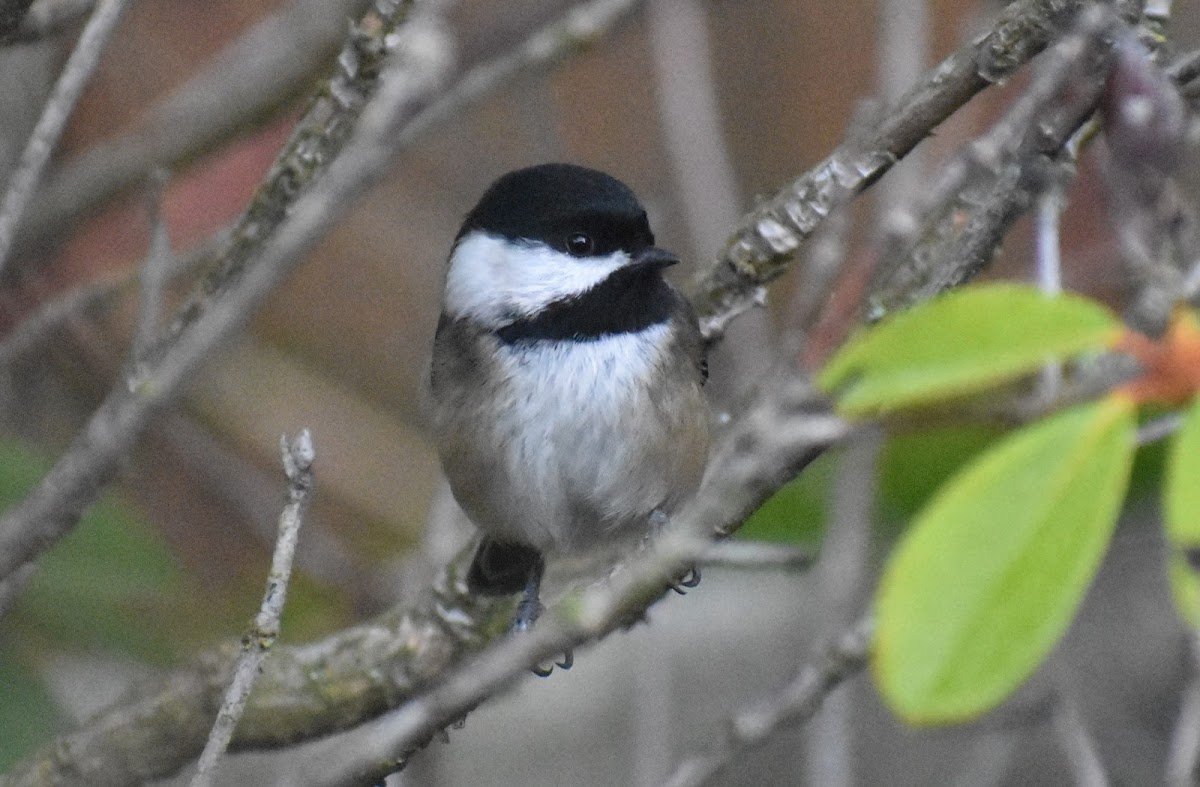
992,569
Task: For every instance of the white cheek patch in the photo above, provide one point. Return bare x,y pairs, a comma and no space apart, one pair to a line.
493,280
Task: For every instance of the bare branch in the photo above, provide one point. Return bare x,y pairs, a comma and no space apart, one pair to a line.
1155,429
1048,262
1183,756
54,116
1020,156
796,704
155,271
50,315
757,555
321,135
297,458
1077,745
582,26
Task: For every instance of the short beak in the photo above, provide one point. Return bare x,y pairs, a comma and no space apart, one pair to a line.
653,258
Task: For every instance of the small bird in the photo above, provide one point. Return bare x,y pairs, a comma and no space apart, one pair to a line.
565,387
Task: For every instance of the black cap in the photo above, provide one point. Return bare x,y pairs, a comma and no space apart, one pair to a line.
573,209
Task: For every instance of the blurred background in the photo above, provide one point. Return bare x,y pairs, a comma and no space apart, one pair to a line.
701,106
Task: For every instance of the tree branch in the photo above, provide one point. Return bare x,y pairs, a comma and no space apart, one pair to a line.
1020,157
50,125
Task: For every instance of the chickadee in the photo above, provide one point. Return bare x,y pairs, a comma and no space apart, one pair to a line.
565,386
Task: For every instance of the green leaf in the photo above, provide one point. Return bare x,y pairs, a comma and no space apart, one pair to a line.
961,343
1181,507
916,464
989,576
1185,588
1181,502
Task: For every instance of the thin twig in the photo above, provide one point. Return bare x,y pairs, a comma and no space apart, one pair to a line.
1159,428
1048,257
842,584
156,270
1048,254
1184,752
1077,744
50,315
49,128
297,457
794,705
582,26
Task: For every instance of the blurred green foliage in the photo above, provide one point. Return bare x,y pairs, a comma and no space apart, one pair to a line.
112,587
27,715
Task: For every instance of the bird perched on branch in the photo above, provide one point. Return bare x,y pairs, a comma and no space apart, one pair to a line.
566,382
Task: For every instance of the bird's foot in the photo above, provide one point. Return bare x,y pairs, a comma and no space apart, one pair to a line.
529,609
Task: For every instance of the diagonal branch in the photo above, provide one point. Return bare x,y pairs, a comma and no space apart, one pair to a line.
796,704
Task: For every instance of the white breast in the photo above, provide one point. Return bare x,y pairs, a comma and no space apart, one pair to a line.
576,429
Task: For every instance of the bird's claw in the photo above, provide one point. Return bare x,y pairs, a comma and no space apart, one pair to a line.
690,580
565,663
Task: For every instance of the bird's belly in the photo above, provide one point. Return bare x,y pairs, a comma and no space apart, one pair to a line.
585,449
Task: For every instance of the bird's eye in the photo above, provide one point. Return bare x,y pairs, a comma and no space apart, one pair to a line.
580,244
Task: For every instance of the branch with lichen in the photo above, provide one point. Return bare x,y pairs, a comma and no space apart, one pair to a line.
765,241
